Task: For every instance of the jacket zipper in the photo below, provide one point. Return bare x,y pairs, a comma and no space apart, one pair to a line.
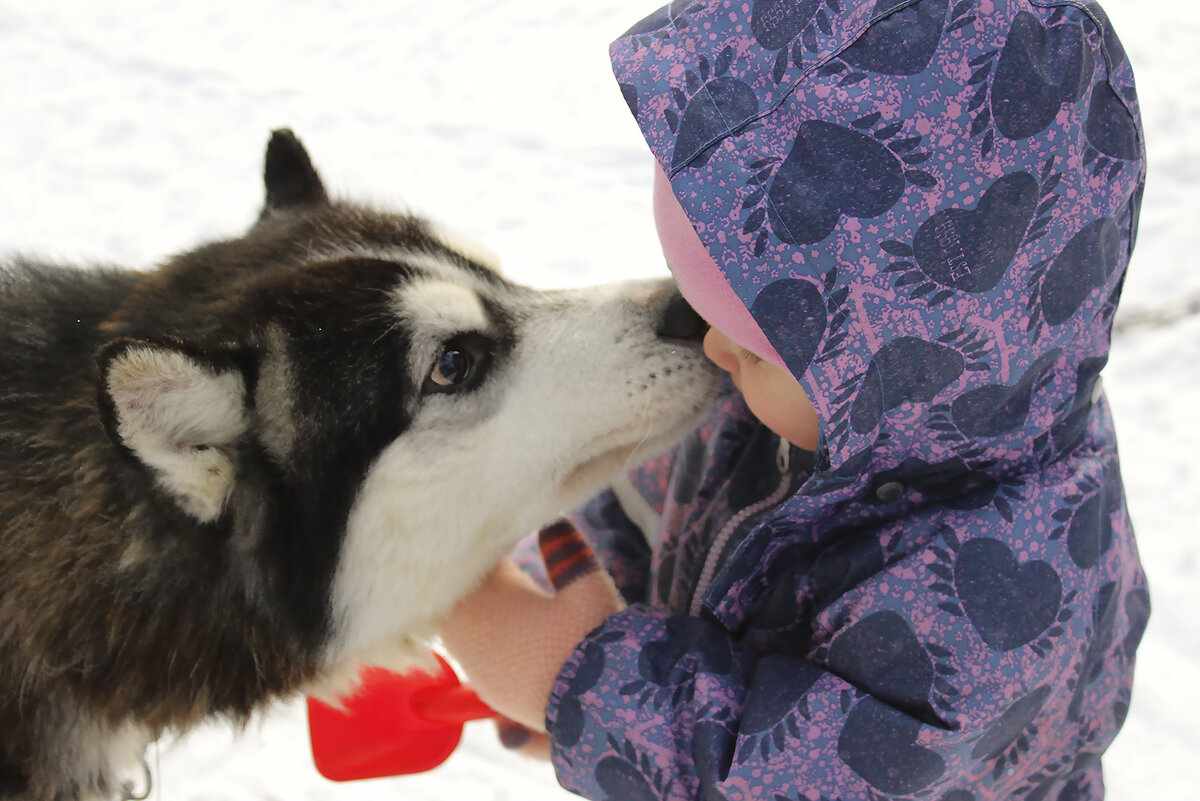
783,462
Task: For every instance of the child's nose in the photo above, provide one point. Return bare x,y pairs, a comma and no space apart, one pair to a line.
721,351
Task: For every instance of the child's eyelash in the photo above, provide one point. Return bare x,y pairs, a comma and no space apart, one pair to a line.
748,356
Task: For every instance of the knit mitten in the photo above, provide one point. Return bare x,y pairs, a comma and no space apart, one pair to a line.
512,639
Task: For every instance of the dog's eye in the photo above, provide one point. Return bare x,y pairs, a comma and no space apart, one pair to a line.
459,366
453,367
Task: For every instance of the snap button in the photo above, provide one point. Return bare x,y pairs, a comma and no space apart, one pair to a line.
891,491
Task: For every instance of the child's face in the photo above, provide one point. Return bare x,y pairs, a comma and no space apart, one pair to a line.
771,393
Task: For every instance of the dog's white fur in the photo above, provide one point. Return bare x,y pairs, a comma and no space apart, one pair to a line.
580,399
178,416
241,476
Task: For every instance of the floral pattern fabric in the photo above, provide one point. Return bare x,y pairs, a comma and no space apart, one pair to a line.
928,207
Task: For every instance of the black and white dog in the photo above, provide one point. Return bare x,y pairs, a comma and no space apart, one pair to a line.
234,478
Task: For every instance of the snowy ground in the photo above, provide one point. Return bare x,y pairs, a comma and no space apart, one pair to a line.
135,129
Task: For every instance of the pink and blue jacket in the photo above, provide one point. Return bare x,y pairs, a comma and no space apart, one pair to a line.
928,207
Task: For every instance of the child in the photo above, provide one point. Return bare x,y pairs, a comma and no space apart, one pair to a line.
902,566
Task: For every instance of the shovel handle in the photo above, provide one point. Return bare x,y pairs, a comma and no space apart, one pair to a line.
450,705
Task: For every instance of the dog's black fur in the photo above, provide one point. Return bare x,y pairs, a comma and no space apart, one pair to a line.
180,451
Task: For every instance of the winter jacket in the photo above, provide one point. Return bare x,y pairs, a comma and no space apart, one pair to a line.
928,207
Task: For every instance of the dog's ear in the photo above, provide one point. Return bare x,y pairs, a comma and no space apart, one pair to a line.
290,178
179,412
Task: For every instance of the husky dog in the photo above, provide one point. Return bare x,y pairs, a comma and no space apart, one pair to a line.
234,478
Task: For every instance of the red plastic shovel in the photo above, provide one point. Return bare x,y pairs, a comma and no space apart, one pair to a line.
393,724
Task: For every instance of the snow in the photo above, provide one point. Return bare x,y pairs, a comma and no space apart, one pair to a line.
136,130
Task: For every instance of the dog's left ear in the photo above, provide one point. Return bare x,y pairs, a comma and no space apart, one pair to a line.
290,178
179,413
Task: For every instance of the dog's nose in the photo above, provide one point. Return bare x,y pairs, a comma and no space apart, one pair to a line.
680,321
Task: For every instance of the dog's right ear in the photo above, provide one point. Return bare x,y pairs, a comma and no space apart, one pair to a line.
179,412
290,178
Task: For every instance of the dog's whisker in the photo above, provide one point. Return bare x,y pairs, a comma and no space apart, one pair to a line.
647,432
392,327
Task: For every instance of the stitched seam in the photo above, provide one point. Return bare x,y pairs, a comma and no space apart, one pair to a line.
730,130
1108,60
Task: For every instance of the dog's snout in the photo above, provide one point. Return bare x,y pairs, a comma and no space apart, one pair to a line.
680,321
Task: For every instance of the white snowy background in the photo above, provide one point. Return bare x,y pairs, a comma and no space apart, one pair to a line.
133,129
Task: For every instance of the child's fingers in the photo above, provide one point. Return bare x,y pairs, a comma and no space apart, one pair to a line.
566,553
524,741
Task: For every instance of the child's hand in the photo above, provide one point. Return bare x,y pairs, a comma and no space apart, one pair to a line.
514,736
512,639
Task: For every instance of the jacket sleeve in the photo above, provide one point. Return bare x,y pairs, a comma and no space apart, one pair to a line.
621,523
659,705
957,666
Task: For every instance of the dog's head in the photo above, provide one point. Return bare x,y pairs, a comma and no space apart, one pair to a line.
369,415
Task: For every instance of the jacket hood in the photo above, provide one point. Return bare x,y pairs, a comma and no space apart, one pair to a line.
928,207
